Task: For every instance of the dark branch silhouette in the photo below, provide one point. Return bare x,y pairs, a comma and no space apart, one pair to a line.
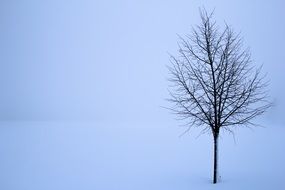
214,83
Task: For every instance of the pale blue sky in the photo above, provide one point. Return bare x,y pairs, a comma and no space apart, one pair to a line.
105,60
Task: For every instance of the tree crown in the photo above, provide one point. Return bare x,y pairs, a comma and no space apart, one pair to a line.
214,81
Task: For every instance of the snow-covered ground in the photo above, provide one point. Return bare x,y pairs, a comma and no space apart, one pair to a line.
104,156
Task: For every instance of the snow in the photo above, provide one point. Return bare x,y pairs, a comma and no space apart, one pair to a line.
128,156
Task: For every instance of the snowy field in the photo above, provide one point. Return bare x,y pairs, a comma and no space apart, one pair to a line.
101,156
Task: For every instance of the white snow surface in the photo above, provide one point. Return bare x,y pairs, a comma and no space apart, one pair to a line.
129,156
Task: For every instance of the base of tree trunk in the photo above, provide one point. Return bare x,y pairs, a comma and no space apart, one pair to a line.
215,177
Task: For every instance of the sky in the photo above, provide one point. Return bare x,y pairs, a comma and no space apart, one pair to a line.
106,60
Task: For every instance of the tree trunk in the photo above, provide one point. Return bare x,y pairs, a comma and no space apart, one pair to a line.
215,178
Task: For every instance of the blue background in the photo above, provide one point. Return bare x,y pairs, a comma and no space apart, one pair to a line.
83,83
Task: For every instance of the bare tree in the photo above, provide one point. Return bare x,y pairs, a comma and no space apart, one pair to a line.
214,84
